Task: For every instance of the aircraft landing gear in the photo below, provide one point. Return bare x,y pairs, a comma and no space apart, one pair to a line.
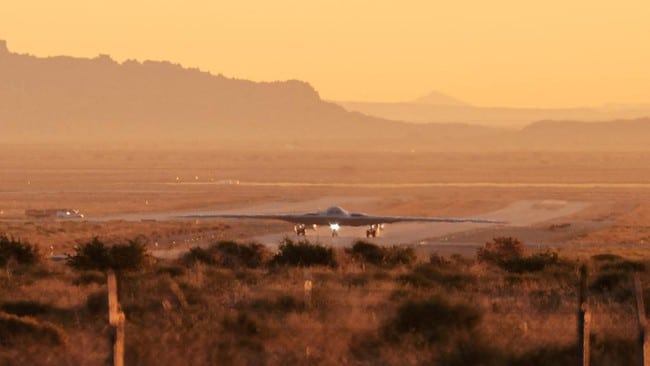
300,229
335,229
373,231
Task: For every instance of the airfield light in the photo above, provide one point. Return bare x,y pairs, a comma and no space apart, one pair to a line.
335,227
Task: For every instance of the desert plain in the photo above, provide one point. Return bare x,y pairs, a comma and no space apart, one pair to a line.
602,198
586,208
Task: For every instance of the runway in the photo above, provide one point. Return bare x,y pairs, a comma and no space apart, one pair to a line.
517,214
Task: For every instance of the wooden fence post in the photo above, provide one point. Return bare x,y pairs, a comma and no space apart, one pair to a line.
308,286
584,319
644,346
116,320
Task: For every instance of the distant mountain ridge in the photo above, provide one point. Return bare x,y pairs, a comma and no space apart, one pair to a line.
76,99
611,135
439,99
67,99
419,111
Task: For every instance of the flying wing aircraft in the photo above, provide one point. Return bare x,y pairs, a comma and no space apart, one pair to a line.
335,217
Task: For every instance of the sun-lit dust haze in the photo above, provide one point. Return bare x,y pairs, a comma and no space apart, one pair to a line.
490,53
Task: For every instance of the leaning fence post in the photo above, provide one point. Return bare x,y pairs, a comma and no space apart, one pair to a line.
116,321
308,286
584,319
643,323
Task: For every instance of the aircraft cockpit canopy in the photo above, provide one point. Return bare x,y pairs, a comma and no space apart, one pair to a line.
336,211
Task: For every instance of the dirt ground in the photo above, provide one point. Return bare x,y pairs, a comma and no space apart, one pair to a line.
126,193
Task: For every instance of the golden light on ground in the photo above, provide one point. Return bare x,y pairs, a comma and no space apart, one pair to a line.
505,52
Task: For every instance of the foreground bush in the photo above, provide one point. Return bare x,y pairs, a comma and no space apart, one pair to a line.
199,255
381,256
96,255
233,255
616,285
430,275
501,249
16,330
533,263
509,254
21,252
23,308
366,252
432,320
625,265
304,254
228,254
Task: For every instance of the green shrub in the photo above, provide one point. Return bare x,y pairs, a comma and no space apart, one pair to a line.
21,252
399,256
96,255
501,249
127,257
509,254
367,252
89,256
381,256
433,320
304,254
233,255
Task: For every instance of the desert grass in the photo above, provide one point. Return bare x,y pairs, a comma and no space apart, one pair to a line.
198,313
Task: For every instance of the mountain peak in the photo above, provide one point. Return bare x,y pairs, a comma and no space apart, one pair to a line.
438,98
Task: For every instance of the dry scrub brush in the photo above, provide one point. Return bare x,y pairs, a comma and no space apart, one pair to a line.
233,303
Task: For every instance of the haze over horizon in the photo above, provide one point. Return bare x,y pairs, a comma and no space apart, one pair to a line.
502,53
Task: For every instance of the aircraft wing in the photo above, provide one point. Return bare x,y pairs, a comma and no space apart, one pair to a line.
353,220
392,219
294,218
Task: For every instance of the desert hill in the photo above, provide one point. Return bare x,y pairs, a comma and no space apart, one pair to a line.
613,135
70,99
80,100
439,110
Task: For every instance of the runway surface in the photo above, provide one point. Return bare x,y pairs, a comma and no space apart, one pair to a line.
518,214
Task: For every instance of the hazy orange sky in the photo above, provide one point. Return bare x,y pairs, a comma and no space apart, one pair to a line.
551,53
